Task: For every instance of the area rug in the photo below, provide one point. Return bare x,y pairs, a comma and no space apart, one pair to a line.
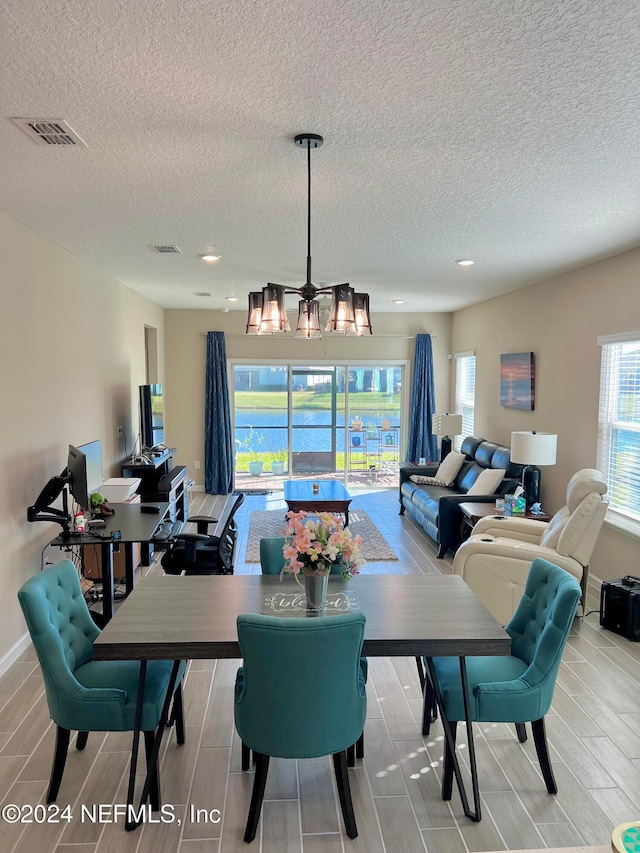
265,523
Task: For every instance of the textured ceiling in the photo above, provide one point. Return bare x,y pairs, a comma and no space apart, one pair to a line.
505,131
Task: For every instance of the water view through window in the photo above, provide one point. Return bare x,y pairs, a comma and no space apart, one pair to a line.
316,420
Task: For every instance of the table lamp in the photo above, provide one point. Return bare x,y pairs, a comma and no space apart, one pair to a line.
532,449
446,425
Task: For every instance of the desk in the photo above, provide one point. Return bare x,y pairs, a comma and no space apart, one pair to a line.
168,617
134,526
330,497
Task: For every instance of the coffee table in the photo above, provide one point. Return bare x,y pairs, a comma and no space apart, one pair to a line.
331,496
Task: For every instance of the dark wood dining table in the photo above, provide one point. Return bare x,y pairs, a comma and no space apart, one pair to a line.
177,618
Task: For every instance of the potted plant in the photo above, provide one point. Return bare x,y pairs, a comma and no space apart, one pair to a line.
277,467
356,424
251,441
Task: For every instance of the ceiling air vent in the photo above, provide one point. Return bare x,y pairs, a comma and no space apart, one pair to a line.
167,250
201,293
49,131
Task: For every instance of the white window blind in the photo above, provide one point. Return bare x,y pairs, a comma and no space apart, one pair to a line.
618,454
465,394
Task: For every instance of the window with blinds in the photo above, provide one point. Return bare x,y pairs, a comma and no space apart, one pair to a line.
465,394
618,454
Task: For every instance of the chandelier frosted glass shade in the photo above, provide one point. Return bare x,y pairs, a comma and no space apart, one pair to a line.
308,320
341,317
361,313
267,313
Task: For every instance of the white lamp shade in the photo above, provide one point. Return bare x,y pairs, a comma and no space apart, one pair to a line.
533,448
446,424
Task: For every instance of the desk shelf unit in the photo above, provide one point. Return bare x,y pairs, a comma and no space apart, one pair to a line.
161,481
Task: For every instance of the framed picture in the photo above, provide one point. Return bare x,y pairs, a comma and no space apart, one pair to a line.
517,381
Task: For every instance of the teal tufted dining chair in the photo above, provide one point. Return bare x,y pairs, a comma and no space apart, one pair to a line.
86,695
517,688
272,559
300,694
271,563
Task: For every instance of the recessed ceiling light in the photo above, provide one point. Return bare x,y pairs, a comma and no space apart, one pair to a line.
210,258
232,298
463,262
398,301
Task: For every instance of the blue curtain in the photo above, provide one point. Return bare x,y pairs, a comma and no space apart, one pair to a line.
218,441
421,441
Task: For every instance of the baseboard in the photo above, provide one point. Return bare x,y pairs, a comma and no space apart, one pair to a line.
8,659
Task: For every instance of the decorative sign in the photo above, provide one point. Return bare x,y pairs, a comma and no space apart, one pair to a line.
295,604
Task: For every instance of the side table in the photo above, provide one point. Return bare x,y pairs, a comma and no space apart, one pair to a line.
473,512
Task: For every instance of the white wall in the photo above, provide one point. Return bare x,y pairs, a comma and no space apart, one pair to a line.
71,358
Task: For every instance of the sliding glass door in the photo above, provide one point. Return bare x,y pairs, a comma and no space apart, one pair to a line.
317,421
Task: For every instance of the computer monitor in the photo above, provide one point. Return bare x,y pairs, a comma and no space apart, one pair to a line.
77,477
93,452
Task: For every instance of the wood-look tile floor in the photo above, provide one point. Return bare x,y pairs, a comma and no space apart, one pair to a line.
593,729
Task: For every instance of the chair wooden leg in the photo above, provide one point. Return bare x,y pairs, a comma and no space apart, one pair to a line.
344,793
81,740
246,756
351,755
356,750
59,760
542,750
447,770
429,706
154,788
257,796
177,714
521,731
360,747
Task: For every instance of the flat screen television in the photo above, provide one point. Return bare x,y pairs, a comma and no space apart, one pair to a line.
151,416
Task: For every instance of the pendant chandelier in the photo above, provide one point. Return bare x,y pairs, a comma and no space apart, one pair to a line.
349,314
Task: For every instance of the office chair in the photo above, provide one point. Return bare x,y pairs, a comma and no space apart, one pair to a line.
200,554
516,688
300,694
86,695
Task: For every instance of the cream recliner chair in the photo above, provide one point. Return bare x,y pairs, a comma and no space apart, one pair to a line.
495,560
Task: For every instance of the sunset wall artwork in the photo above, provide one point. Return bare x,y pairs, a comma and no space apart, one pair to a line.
517,381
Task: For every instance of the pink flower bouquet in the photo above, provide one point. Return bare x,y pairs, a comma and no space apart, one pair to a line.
315,543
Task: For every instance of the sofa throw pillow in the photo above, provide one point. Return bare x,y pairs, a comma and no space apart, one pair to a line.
431,481
449,468
488,481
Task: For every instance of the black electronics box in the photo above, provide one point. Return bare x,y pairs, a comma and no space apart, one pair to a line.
620,606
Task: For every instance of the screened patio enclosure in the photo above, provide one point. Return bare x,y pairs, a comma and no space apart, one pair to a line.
316,421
